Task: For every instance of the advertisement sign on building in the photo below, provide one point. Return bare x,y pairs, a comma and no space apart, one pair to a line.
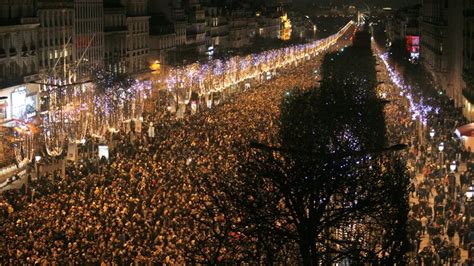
72,152
104,151
413,47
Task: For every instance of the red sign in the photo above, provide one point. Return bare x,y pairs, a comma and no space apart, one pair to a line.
412,44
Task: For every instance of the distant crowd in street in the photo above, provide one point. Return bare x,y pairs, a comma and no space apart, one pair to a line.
138,206
441,216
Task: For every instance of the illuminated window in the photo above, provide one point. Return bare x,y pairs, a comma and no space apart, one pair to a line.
19,102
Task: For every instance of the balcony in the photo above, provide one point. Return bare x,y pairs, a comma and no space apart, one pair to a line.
116,29
219,34
195,32
30,20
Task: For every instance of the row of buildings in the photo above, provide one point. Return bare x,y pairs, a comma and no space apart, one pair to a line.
207,27
441,34
44,42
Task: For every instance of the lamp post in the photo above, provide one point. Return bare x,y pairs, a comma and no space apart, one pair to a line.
432,134
470,193
452,166
37,159
441,148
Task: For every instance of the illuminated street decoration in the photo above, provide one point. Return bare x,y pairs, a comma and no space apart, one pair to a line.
94,108
285,32
417,105
76,110
218,75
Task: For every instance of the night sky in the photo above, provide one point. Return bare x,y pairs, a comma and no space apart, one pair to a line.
392,3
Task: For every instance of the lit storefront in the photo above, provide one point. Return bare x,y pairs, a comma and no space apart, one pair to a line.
19,102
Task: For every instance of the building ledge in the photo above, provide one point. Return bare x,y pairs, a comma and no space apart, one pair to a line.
115,29
435,23
137,17
19,21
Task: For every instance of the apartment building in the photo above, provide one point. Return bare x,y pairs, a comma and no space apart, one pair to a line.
441,50
19,64
138,29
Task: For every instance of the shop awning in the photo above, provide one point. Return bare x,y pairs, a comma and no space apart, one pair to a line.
465,131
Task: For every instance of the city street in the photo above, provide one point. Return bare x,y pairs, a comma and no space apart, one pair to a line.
169,172
438,215
237,132
151,190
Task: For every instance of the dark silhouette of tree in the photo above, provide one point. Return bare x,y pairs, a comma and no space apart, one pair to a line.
330,192
330,188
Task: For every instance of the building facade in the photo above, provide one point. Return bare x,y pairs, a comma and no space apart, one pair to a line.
138,29
196,27
468,59
168,25
163,39
441,50
89,43
55,37
269,26
217,29
18,59
115,34
242,27
404,22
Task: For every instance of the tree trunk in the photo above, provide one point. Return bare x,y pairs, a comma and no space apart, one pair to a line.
305,249
305,254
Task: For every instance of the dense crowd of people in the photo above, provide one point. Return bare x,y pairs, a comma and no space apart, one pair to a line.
148,202
143,205
440,222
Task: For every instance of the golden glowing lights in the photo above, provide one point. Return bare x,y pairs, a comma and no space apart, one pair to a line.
156,66
285,32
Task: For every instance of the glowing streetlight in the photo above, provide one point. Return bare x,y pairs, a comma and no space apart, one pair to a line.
470,193
432,133
452,167
155,67
37,159
441,149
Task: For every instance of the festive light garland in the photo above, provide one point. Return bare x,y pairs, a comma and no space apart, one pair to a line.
92,109
417,107
221,74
